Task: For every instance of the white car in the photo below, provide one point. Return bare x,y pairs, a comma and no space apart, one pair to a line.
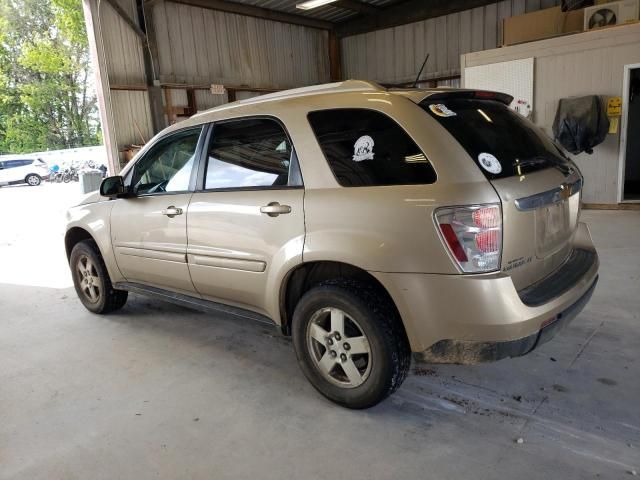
28,170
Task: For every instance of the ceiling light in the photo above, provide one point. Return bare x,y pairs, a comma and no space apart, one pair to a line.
309,4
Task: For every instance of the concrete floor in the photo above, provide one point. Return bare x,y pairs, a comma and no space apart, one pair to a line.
158,391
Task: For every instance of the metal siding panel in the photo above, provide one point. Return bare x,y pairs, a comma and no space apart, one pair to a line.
465,31
165,64
532,5
453,43
518,7
420,50
491,26
441,45
200,51
477,29
395,54
123,49
205,46
504,11
175,43
430,32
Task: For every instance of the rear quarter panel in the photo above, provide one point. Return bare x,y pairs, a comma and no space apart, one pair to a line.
382,228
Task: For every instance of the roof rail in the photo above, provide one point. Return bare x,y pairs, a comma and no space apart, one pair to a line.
336,87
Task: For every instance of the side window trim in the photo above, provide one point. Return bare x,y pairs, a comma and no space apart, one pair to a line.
202,166
161,141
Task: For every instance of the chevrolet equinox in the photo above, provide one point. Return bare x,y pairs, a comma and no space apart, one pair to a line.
372,225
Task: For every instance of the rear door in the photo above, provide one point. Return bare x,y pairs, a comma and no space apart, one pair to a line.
247,219
538,186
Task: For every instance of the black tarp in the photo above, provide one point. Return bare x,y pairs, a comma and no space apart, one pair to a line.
580,124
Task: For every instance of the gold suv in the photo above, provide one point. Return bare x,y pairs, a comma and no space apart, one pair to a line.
366,223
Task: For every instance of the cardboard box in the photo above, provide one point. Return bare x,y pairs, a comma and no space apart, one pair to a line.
550,22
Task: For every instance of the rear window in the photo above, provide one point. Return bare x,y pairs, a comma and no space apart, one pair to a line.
367,148
501,142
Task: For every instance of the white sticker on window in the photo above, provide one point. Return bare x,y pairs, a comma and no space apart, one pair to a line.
441,110
363,149
490,163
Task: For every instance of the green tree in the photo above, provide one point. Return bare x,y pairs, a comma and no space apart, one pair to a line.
47,99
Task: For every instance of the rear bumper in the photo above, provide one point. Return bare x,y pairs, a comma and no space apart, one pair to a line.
470,352
479,318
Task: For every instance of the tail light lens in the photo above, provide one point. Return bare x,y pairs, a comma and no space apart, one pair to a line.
473,235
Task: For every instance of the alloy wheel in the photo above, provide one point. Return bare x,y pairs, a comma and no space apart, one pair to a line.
88,278
339,348
33,180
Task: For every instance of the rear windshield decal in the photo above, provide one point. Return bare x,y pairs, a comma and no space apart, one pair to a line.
363,149
441,110
490,163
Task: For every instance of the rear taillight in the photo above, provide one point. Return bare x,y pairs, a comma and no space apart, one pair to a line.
473,235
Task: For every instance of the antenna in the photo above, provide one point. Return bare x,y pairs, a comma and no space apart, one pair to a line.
420,72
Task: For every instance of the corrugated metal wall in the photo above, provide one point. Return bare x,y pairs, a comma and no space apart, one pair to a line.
198,46
201,46
394,55
590,63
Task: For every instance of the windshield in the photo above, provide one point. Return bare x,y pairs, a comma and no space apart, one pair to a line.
502,142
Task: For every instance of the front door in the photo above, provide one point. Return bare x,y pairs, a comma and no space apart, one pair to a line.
149,230
247,220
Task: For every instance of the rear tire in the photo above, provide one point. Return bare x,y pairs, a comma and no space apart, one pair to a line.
360,363
91,279
33,180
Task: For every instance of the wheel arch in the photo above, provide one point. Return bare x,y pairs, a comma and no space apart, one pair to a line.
32,174
74,236
305,276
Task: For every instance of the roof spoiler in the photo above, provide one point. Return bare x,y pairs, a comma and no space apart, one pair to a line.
471,94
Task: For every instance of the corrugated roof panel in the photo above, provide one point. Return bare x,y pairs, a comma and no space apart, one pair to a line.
330,12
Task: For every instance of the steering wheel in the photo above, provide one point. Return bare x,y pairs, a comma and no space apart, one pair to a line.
160,187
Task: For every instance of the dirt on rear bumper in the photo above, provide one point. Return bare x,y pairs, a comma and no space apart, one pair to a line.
467,352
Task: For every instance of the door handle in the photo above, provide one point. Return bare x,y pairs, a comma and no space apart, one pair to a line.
171,211
274,209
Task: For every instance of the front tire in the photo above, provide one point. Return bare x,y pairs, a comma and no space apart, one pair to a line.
33,180
350,343
91,279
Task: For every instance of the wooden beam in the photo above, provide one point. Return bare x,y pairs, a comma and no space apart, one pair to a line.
127,19
130,88
611,206
335,60
258,12
406,12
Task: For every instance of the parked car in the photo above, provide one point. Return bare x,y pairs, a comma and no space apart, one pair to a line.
28,170
367,223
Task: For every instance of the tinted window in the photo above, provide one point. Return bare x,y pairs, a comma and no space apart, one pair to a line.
249,153
502,142
365,147
167,167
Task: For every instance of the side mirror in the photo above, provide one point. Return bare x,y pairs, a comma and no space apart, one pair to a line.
113,187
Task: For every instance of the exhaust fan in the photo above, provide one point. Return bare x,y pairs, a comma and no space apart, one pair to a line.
608,14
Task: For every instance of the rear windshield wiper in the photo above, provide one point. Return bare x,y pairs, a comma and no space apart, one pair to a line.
540,160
